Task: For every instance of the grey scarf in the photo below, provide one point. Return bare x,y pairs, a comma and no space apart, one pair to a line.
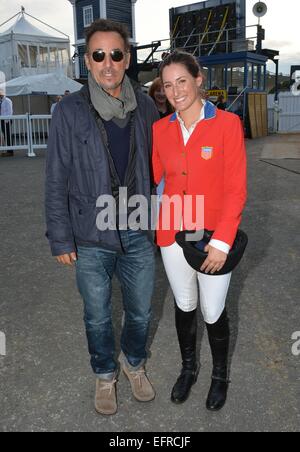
110,107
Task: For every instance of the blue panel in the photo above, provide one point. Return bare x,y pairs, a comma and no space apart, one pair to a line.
120,11
233,57
80,4
240,6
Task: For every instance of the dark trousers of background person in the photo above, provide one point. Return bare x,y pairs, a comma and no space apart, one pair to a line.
6,131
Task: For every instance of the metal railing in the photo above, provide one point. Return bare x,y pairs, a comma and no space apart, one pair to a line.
242,93
201,44
83,71
24,132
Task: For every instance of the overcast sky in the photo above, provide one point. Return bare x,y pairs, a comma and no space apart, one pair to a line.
152,22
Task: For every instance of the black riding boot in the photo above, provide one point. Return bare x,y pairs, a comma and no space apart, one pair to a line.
186,326
218,335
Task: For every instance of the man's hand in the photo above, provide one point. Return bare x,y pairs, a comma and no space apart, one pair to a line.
67,259
214,261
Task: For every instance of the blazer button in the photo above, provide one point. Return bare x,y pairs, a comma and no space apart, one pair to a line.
184,192
184,173
80,211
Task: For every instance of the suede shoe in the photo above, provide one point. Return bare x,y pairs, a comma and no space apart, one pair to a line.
105,398
141,387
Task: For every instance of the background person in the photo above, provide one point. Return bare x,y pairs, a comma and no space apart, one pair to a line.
221,103
53,106
156,91
6,109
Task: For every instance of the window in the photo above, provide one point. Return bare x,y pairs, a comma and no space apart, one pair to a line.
236,76
82,66
87,16
43,55
53,54
33,53
64,56
255,76
23,55
250,76
218,77
205,73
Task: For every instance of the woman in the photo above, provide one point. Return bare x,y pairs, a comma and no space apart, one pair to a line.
200,150
156,91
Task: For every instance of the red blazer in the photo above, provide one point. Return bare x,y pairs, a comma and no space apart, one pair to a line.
213,164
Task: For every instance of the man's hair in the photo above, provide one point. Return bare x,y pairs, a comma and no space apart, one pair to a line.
106,25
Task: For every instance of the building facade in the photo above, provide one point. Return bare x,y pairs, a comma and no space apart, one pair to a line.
86,11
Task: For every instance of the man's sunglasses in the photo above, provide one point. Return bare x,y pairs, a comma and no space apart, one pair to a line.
116,55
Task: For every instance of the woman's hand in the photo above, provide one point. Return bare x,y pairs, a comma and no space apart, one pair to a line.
214,261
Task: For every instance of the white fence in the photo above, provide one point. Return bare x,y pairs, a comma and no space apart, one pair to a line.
284,117
30,132
24,132
272,119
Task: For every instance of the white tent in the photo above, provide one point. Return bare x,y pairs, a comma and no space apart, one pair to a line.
51,84
27,50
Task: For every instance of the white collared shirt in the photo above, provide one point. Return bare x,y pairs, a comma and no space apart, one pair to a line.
6,107
186,134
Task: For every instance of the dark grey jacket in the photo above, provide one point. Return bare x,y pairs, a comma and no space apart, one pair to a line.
77,172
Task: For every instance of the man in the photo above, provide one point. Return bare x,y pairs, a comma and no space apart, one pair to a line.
101,140
53,106
221,104
6,109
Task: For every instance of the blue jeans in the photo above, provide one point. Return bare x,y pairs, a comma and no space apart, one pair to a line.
134,269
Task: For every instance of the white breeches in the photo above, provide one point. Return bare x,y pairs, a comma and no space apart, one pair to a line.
184,283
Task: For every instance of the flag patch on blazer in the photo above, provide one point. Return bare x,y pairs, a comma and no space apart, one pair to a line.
206,152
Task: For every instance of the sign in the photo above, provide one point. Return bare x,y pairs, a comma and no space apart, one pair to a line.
39,93
215,93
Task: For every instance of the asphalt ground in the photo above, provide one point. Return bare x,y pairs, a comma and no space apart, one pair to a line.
45,379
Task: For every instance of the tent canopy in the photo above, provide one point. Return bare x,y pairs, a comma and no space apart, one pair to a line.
23,27
51,84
